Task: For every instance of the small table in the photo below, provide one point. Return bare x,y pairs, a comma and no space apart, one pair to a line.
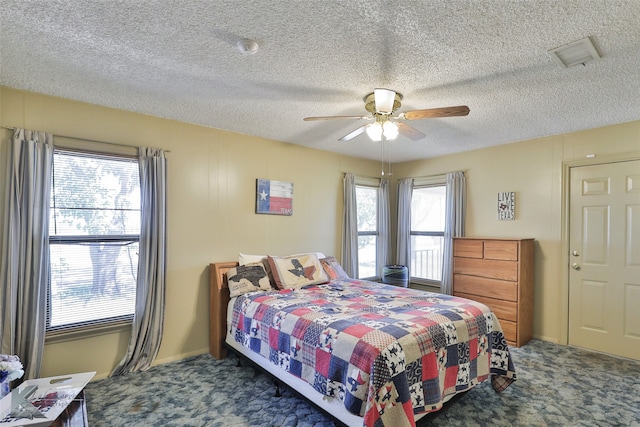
61,400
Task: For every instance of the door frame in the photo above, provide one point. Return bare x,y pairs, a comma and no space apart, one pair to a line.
563,335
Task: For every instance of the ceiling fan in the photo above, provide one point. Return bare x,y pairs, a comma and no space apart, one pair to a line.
382,103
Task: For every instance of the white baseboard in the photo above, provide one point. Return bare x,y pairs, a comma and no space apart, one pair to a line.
548,339
103,375
179,356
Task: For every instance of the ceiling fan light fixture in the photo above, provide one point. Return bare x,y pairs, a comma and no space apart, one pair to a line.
390,130
374,131
384,99
388,127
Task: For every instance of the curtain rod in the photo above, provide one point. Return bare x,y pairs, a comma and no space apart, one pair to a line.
90,140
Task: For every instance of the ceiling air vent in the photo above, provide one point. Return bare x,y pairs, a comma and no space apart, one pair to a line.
578,52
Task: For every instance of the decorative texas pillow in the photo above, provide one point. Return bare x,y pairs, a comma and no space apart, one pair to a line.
333,268
296,271
248,278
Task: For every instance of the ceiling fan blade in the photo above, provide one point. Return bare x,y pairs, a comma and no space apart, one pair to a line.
409,131
307,119
354,133
430,113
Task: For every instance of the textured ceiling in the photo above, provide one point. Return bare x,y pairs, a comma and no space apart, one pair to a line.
180,60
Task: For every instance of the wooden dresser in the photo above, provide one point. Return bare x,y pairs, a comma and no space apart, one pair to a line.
498,273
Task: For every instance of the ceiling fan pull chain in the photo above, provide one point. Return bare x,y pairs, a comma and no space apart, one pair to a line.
389,148
382,154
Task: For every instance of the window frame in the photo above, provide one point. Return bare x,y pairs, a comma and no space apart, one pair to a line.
426,182
373,183
91,149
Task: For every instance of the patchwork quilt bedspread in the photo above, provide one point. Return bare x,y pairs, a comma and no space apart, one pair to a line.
386,352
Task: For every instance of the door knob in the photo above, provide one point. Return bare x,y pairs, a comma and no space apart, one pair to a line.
575,266
575,253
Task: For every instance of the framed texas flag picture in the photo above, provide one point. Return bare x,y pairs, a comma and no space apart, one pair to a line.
274,197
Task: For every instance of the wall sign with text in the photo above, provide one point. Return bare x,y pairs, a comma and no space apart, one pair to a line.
507,206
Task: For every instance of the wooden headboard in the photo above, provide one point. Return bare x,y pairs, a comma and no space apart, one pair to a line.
218,303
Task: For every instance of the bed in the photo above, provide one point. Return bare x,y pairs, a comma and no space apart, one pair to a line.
367,353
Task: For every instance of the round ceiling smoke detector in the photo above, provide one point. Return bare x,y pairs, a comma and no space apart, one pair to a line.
248,46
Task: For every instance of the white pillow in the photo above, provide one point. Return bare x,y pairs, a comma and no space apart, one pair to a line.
244,259
320,255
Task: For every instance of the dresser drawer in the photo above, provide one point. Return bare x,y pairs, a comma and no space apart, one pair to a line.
501,249
467,248
495,269
503,309
484,287
509,330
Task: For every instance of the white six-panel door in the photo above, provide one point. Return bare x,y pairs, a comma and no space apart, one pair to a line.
604,239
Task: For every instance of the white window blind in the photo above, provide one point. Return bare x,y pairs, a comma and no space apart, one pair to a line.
94,231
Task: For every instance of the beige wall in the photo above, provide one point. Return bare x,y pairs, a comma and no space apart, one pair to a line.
534,171
211,198
211,206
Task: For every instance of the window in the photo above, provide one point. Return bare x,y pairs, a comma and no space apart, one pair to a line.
94,230
428,203
367,212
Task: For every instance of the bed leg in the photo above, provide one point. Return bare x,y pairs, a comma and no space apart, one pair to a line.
277,384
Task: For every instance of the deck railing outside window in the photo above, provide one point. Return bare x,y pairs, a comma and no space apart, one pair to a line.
427,263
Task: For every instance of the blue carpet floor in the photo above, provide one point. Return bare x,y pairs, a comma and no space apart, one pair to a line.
556,386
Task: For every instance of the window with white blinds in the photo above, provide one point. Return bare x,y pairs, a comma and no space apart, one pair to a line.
94,230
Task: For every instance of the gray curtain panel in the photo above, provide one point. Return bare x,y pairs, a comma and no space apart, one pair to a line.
454,225
382,249
405,190
350,227
24,260
148,320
